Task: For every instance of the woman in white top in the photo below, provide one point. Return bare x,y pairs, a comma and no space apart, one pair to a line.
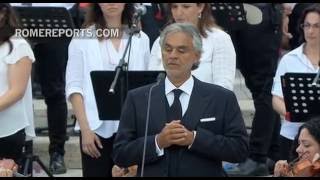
218,59
304,59
16,113
88,54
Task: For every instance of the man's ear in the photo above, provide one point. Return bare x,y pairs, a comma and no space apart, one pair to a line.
198,56
196,61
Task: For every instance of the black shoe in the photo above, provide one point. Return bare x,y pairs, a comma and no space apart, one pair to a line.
57,165
249,168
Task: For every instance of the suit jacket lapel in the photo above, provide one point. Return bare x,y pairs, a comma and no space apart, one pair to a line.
158,107
197,105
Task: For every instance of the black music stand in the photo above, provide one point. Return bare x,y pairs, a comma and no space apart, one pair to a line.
109,104
230,16
35,18
302,99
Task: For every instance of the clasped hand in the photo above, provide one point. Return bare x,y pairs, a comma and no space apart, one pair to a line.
174,133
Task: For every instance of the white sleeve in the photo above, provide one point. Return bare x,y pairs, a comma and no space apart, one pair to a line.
75,68
20,49
146,54
223,61
160,152
281,70
155,62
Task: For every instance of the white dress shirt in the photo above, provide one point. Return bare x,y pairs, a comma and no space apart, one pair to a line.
184,98
217,62
297,62
88,54
20,114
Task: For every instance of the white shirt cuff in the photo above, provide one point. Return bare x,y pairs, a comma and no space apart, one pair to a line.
160,152
194,137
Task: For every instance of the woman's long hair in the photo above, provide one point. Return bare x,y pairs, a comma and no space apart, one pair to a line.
8,24
94,16
313,126
206,22
313,8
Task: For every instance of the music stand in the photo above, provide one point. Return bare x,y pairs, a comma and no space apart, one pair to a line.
29,158
109,104
302,99
50,18
230,16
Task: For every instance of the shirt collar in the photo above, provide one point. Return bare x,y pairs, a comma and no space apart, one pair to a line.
186,87
301,56
298,51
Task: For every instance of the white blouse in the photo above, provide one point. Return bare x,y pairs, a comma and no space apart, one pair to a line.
217,62
88,54
19,115
294,61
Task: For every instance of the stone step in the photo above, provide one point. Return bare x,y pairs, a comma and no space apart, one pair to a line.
40,113
72,155
70,173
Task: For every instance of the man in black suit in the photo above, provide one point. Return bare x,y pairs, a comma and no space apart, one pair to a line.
194,126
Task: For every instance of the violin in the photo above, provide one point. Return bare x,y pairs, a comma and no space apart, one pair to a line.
305,167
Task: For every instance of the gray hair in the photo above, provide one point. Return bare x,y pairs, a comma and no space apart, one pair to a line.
187,28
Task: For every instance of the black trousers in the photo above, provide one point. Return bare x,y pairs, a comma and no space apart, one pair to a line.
287,149
11,146
257,48
51,60
101,167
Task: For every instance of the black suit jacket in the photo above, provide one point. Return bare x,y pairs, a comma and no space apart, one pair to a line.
224,139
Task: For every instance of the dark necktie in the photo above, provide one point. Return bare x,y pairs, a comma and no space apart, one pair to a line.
175,110
175,113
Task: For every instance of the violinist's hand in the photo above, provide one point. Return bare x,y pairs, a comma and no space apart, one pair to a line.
281,169
117,171
124,172
132,171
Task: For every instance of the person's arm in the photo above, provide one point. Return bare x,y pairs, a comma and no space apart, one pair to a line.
18,77
278,105
90,141
223,61
286,35
287,10
155,62
277,95
74,90
146,50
